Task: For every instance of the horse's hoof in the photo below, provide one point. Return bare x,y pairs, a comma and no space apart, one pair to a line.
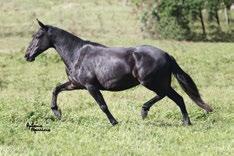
114,123
209,110
144,113
187,123
57,113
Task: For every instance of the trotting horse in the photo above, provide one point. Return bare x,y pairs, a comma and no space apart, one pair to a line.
94,67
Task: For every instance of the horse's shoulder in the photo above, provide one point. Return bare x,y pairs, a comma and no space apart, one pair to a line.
84,53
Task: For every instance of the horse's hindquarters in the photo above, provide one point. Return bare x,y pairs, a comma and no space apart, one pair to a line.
152,68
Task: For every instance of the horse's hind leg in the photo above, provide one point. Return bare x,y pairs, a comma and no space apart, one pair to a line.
173,95
97,95
159,85
66,86
146,106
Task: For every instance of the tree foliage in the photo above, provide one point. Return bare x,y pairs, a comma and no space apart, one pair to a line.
175,19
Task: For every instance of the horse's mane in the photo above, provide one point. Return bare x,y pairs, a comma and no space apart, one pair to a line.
71,38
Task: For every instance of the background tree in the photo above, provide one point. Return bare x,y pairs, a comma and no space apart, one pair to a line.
177,19
213,6
195,8
227,4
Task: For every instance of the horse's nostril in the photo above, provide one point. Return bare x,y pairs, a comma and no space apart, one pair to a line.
26,55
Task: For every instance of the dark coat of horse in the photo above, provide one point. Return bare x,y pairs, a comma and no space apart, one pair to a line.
94,67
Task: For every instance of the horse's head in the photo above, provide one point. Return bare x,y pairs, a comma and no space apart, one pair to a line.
40,42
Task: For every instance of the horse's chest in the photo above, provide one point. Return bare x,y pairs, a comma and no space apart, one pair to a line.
71,75
78,75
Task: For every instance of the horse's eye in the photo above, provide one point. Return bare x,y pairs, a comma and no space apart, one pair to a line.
34,35
38,35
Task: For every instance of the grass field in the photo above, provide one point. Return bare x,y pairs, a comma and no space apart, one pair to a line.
25,89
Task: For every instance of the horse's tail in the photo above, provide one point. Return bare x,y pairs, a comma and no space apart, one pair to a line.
188,85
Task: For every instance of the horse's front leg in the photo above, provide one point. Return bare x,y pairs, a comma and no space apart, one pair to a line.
63,87
97,95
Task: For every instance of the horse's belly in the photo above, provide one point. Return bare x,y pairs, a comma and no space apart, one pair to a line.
118,84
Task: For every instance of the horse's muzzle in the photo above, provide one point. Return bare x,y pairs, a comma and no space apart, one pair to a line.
29,58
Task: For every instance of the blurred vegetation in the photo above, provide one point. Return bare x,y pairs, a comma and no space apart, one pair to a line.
196,20
94,20
26,88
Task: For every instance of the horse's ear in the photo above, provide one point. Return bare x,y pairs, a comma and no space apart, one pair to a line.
42,25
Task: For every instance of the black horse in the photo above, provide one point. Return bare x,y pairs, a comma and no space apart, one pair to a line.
94,67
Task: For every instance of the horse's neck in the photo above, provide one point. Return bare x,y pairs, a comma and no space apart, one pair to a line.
67,51
68,47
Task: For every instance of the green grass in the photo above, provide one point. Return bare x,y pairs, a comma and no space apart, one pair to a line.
25,90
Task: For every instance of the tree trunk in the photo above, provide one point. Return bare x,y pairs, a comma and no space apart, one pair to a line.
217,17
202,22
227,16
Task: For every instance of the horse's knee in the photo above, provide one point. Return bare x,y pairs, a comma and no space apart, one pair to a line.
55,90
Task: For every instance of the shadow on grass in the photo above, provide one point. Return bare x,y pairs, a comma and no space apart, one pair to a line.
217,35
150,122
159,123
